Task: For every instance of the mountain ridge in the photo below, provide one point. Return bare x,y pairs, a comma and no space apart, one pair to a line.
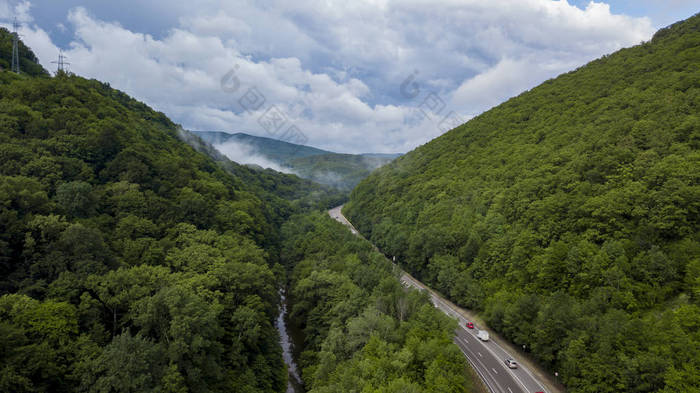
339,170
219,137
568,215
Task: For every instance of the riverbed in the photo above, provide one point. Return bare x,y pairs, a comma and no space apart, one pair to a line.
294,382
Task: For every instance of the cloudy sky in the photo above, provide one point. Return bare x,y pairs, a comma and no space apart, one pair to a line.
348,76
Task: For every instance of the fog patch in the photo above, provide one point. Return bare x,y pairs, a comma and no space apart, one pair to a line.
243,153
331,178
372,162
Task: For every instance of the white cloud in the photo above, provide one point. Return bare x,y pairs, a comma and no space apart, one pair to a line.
19,10
507,78
335,67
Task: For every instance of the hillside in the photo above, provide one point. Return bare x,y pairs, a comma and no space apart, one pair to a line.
134,257
298,194
342,171
569,216
129,261
363,331
279,151
28,62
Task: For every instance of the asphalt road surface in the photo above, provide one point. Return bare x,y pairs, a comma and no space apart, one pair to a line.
486,357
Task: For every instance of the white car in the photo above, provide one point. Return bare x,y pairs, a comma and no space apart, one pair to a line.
483,335
511,363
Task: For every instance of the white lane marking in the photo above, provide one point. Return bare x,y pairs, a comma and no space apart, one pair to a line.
533,380
441,305
484,372
510,390
520,381
494,371
500,388
488,348
477,369
512,372
450,311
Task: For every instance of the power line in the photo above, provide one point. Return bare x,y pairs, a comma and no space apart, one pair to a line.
15,47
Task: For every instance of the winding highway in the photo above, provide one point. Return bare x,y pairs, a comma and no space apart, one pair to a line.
486,357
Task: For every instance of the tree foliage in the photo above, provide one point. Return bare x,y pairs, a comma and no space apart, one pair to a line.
28,62
363,331
128,260
569,215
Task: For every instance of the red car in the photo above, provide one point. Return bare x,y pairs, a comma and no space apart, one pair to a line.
470,325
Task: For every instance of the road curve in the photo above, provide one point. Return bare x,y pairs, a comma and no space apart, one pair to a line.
487,358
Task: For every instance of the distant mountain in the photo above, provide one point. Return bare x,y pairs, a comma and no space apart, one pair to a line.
342,171
275,149
382,155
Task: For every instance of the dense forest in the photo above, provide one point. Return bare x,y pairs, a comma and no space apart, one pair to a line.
128,260
363,331
134,257
569,216
287,193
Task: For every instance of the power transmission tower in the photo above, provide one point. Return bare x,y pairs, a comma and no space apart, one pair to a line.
15,47
61,63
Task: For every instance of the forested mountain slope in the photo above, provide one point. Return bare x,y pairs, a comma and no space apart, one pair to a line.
293,193
341,171
128,261
277,150
134,257
363,331
569,215
28,62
